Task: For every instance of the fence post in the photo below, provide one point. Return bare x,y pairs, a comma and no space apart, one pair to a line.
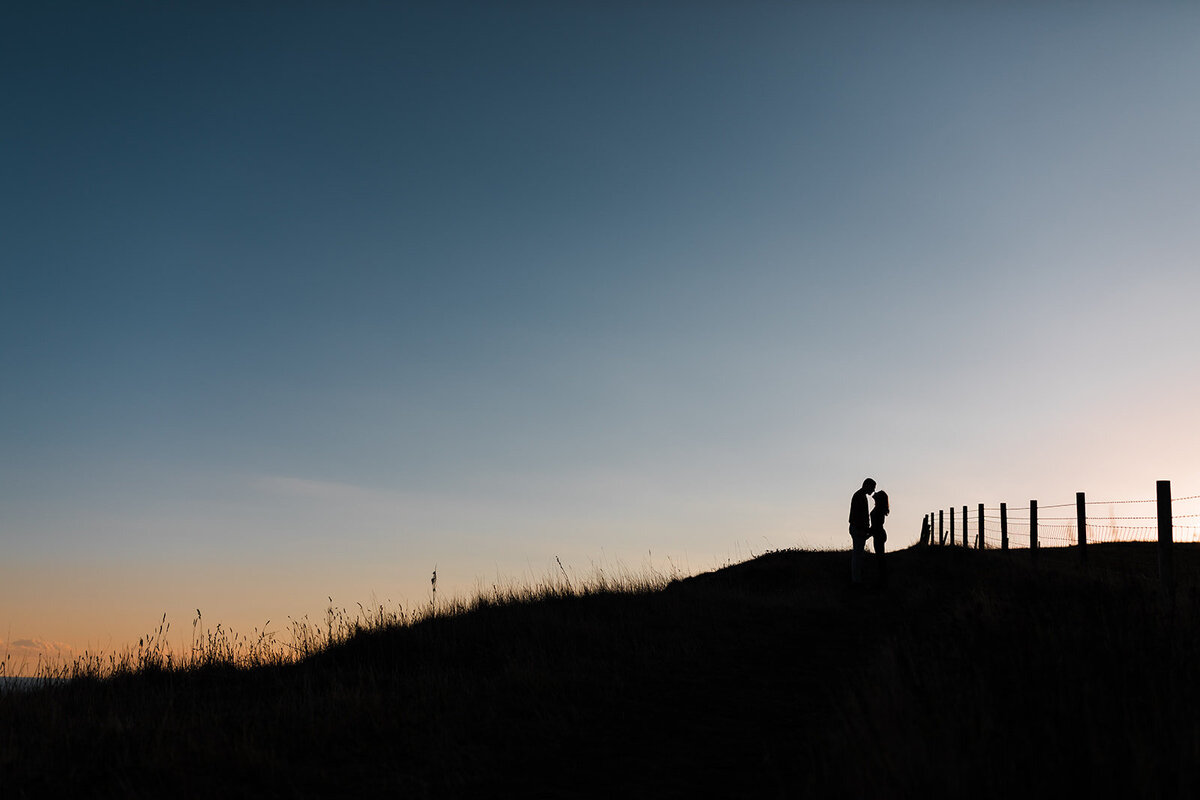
1004,526
941,526
952,526
982,540
966,525
1033,529
1166,535
1081,525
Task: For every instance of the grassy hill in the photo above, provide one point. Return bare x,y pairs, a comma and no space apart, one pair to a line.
971,672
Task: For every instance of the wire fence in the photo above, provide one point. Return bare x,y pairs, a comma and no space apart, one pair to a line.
1021,525
1104,522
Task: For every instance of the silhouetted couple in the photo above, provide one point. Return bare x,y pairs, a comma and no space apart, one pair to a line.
867,524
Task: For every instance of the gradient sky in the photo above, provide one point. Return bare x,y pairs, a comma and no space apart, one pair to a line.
302,302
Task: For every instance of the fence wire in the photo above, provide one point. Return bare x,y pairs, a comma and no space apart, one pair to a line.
1060,530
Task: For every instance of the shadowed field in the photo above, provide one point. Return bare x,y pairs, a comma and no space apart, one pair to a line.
972,672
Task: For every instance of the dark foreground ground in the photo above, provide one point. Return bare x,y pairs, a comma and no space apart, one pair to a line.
972,674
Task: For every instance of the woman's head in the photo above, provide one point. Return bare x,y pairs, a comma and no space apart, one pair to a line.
881,501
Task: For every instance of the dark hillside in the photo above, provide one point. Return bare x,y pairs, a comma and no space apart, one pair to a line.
971,673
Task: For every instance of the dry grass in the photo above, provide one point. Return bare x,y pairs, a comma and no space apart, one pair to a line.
219,647
974,673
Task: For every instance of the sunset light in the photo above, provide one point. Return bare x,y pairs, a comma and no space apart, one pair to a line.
302,303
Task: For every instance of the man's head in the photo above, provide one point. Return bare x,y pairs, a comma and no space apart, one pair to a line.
869,485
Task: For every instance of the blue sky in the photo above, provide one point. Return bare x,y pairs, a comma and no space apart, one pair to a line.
302,302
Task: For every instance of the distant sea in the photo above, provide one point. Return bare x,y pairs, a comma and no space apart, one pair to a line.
10,683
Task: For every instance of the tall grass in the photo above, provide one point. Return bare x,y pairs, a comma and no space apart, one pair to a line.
973,673
219,647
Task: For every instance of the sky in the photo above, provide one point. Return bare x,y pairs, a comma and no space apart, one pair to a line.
305,301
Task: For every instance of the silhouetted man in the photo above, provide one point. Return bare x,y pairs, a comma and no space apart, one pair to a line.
860,527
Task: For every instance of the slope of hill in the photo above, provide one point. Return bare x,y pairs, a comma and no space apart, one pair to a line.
970,673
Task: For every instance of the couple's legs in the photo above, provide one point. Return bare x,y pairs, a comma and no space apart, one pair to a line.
857,555
880,550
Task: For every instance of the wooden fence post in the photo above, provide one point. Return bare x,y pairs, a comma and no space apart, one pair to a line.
966,525
1166,535
952,526
941,526
1081,525
1033,529
982,541
1004,526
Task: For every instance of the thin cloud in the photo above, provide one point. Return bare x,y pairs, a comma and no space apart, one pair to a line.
316,490
27,653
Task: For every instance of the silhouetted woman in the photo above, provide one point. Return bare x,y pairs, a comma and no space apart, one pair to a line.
880,511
